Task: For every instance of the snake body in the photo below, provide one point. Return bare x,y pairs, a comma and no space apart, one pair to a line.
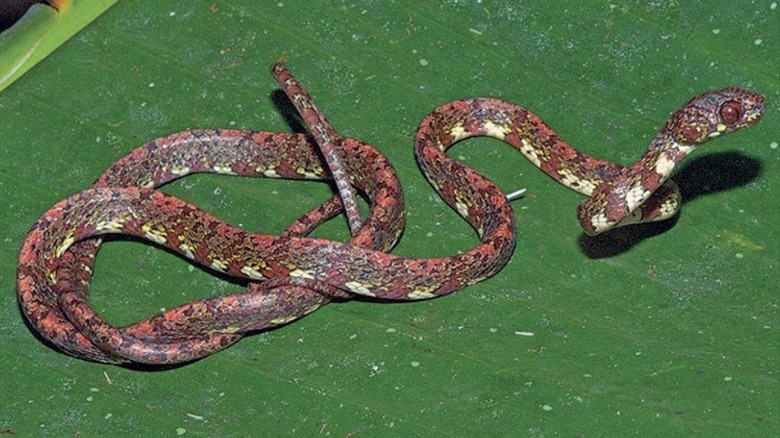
291,275
53,289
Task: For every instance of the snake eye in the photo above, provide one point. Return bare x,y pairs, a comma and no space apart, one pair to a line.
731,112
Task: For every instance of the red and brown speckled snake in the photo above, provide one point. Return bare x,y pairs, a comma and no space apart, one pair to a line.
291,275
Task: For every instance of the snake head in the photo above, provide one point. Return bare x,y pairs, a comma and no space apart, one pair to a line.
715,113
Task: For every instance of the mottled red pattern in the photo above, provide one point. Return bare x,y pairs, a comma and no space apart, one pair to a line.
300,274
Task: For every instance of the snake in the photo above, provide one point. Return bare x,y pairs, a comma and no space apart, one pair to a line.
291,275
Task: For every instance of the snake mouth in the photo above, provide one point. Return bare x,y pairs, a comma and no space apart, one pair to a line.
752,108
756,112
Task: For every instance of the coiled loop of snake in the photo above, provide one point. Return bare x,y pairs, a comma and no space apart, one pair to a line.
54,283
300,274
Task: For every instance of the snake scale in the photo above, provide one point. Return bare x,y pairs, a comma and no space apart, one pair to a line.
291,275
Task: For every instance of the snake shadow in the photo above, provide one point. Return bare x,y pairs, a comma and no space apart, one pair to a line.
283,105
699,177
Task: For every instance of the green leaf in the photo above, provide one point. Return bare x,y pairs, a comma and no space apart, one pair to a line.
40,31
666,330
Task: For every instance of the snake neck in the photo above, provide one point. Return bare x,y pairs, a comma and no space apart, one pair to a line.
658,162
619,201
